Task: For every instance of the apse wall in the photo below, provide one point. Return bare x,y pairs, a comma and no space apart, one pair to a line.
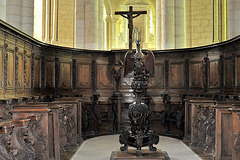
30,67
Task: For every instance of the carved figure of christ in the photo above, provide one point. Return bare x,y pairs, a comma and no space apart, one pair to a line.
130,15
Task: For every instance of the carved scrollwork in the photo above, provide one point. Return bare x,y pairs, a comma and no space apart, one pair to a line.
67,126
195,126
38,135
186,66
16,66
205,73
94,74
210,131
32,70
25,69
5,65
237,143
24,145
202,127
6,152
166,73
221,73
74,73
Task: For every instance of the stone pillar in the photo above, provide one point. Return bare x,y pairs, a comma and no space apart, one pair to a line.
100,24
20,14
158,24
165,24
54,26
47,23
234,19
91,24
3,10
180,34
27,15
80,23
168,24
108,32
13,14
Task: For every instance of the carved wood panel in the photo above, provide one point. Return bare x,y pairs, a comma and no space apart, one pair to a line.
214,74
196,75
10,69
65,75
228,73
1,66
176,75
158,79
238,71
50,73
28,71
83,77
20,70
104,76
37,73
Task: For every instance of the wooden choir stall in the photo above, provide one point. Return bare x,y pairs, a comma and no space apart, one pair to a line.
52,98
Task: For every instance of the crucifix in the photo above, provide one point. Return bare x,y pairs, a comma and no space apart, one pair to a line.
130,15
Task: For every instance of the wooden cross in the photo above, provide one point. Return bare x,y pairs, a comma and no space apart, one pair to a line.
130,15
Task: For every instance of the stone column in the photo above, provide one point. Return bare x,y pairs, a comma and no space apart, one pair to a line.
19,13
100,24
13,14
47,23
165,24
91,24
180,34
234,19
3,10
108,32
158,24
168,24
54,26
27,15
80,24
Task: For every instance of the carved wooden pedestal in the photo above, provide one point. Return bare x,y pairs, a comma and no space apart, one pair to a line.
146,155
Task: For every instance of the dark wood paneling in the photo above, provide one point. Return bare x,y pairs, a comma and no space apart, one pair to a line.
176,75
50,73
83,78
158,80
238,71
214,74
228,73
65,75
37,73
104,76
196,75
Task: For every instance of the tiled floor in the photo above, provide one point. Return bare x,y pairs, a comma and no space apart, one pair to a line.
100,148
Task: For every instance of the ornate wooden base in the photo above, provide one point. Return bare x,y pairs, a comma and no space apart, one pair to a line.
146,155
